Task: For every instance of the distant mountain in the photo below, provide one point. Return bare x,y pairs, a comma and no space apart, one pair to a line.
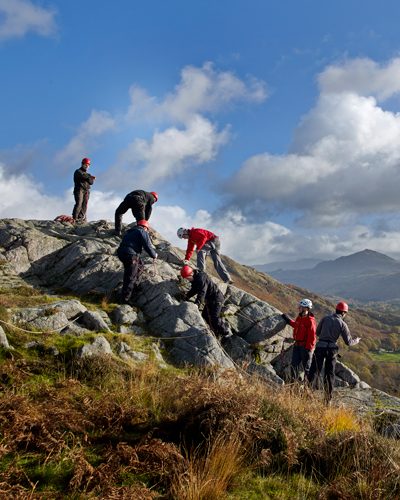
288,265
364,276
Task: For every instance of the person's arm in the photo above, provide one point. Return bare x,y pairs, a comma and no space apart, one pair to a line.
190,249
346,336
311,339
148,210
148,246
319,327
288,320
194,290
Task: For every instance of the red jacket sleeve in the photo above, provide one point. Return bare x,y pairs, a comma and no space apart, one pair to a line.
190,249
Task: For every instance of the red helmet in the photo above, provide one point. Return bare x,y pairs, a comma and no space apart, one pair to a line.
143,223
186,271
86,161
342,307
155,195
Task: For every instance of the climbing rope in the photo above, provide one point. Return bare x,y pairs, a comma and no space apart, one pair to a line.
47,331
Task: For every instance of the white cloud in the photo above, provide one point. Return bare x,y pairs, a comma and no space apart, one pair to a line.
98,123
19,17
362,76
200,90
167,153
344,161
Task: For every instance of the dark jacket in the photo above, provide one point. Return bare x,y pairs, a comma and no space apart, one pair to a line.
205,289
139,199
304,328
82,179
330,328
134,241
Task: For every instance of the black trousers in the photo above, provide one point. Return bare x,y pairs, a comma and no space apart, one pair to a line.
133,269
81,202
137,207
211,314
327,355
301,359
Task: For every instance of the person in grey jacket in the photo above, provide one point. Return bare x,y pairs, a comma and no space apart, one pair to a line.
82,184
129,250
329,329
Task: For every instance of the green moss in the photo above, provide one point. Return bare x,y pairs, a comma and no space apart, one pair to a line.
253,487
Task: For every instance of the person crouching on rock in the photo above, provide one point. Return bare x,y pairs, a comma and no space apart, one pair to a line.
208,292
134,241
329,329
141,204
304,334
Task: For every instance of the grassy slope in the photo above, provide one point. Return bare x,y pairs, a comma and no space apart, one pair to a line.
105,428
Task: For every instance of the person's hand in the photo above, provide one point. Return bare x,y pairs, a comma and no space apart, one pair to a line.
286,318
357,339
117,233
186,262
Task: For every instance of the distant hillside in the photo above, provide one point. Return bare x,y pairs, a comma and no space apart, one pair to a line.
287,265
364,276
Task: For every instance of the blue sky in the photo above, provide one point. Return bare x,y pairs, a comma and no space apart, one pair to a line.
275,124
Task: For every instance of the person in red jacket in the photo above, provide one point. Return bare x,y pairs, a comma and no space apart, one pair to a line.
206,243
305,338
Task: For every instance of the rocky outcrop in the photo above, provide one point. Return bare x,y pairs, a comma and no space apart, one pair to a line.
82,260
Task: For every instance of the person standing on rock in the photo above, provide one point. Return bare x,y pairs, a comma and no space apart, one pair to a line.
206,243
82,184
208,292
141,204
329,329
304,334
134,241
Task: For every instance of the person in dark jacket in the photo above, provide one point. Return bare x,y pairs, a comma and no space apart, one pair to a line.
129,250
208,292
141,204
304,334
82,184
329,329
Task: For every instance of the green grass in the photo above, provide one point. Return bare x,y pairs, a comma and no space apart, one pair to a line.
386,357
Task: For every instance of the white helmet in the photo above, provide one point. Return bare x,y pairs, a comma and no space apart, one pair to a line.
305,303
181,232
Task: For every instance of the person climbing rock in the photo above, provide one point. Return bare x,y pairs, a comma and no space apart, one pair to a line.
141,204
304,334
208,292
206,243
82,184
329,329
134,241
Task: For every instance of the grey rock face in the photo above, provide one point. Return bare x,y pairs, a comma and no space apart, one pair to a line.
44,319
94,321
124,315
126,352
3,340
99,347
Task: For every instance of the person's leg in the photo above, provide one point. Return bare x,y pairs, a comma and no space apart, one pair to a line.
130,269
201,258
218,264
317,364
78,195
306,359
330,365
295,363
119,212
82,215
